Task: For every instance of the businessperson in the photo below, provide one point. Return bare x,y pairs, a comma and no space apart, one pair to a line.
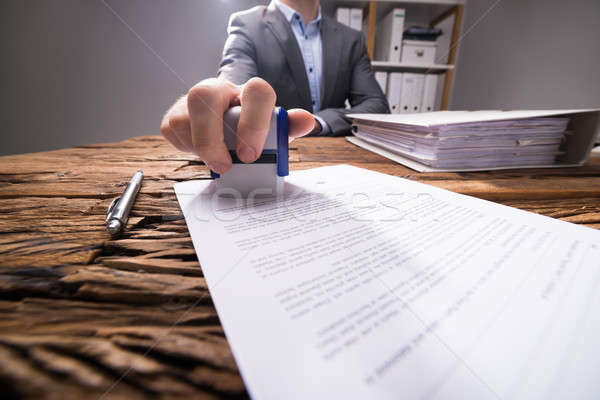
287,54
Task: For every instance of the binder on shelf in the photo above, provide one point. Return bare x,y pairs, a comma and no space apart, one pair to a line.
381,78
429,92
343,15
389,40
394,89
356,18
417,94
411,93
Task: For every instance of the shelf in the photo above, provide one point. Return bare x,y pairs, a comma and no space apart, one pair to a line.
420,11
365,2
394,66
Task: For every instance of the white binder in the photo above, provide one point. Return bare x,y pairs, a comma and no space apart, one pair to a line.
394,89
417,94
343,15
412,93
389,36
356,17
381,78
429,92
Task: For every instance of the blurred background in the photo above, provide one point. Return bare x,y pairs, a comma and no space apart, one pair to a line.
77,72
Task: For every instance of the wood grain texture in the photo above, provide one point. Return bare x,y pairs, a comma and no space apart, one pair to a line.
86,316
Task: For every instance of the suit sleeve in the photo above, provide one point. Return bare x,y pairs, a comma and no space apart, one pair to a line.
365,96
238,63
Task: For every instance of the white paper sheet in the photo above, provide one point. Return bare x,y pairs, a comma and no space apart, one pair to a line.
437,118
361,285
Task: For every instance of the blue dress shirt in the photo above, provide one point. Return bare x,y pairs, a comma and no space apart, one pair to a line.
311,46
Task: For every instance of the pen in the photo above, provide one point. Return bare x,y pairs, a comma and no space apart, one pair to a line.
118,211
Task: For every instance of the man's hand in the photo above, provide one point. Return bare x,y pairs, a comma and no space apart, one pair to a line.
195,122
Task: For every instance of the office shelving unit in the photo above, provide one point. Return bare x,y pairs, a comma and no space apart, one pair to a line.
422,12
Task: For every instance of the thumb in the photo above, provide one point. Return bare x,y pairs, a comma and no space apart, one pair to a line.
301,122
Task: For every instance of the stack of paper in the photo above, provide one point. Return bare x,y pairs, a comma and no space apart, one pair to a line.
481,144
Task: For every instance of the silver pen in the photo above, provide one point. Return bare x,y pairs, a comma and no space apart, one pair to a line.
118,211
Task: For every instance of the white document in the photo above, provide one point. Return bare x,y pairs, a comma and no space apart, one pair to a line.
343,15
359,285
389,36
394,89
381,78
429,92
583,128
356,18
439,118
530,141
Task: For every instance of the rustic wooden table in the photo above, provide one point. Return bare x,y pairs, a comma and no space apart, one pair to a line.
82,315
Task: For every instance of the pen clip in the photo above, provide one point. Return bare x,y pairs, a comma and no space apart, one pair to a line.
110,208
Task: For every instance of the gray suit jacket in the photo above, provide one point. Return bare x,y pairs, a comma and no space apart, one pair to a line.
261,43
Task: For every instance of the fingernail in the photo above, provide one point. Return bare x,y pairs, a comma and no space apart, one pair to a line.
217,167
247,154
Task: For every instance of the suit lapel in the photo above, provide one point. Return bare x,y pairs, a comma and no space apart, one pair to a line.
332,47
282,30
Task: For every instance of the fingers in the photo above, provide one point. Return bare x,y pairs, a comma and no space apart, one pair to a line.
166,129
206,103
301,122
179,122
175,126
257,101
195,122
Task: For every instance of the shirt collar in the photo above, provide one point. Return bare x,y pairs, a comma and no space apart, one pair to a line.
289,13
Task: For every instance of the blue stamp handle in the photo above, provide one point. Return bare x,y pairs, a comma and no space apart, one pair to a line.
283,155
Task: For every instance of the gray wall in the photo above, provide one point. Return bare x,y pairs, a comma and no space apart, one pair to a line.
529,54
71,73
